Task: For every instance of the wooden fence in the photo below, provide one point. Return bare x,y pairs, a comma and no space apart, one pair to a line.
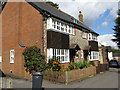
102,68
69,76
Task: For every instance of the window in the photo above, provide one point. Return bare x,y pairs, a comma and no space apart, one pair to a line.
84,34
12,52
92,37
53,23
94,55
65,28
58,25
62,27
0,58
61,54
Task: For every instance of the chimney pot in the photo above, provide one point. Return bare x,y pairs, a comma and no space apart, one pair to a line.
80,16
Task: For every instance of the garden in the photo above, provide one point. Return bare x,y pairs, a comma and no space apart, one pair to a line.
54,70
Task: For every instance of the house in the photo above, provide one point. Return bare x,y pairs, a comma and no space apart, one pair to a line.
84,44
56,33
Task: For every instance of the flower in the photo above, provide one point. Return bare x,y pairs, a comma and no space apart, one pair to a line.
63,70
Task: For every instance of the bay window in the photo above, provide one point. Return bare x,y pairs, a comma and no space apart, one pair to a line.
61,54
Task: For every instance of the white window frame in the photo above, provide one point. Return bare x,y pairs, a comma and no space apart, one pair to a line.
92,37
67,29
0,59
91,57
12,56
66,57
84,35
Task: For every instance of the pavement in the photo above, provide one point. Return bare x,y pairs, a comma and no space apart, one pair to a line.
108,79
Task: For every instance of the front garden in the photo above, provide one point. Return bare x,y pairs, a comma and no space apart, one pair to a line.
55,71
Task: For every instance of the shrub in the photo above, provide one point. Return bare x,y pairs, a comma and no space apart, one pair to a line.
78,65
34,60
84,64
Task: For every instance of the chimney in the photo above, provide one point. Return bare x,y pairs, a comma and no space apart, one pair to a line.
80,16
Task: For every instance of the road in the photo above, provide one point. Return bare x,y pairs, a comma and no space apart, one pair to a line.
107,79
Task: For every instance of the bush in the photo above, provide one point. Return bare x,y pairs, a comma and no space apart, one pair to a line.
85,64
78,65
34,60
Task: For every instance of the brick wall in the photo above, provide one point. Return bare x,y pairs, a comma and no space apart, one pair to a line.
21,23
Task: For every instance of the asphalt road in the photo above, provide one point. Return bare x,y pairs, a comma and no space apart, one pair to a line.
107,79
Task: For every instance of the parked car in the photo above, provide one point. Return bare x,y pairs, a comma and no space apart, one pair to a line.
114,63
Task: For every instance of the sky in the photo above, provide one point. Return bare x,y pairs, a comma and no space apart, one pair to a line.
99,15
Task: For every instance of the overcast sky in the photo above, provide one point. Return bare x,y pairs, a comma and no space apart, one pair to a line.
99,15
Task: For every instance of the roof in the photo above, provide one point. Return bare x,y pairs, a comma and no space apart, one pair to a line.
73,46
42,6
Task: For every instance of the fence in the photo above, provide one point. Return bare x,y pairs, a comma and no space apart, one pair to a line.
69,76
102,68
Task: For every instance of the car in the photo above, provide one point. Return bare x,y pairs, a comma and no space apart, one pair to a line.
114,63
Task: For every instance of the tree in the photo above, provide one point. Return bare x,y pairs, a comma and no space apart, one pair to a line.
53,4
117,30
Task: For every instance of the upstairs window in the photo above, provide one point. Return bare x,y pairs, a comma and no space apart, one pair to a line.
66,28
62,27
92,37
12,53
58,25
84,34
54,24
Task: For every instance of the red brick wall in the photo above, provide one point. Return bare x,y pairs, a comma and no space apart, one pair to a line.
21,23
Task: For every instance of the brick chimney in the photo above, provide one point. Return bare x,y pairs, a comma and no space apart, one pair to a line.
80,16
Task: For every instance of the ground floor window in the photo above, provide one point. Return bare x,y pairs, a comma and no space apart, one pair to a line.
94,55
61,54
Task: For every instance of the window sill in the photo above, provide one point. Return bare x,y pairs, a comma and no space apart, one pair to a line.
11,62
64,62
94,60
